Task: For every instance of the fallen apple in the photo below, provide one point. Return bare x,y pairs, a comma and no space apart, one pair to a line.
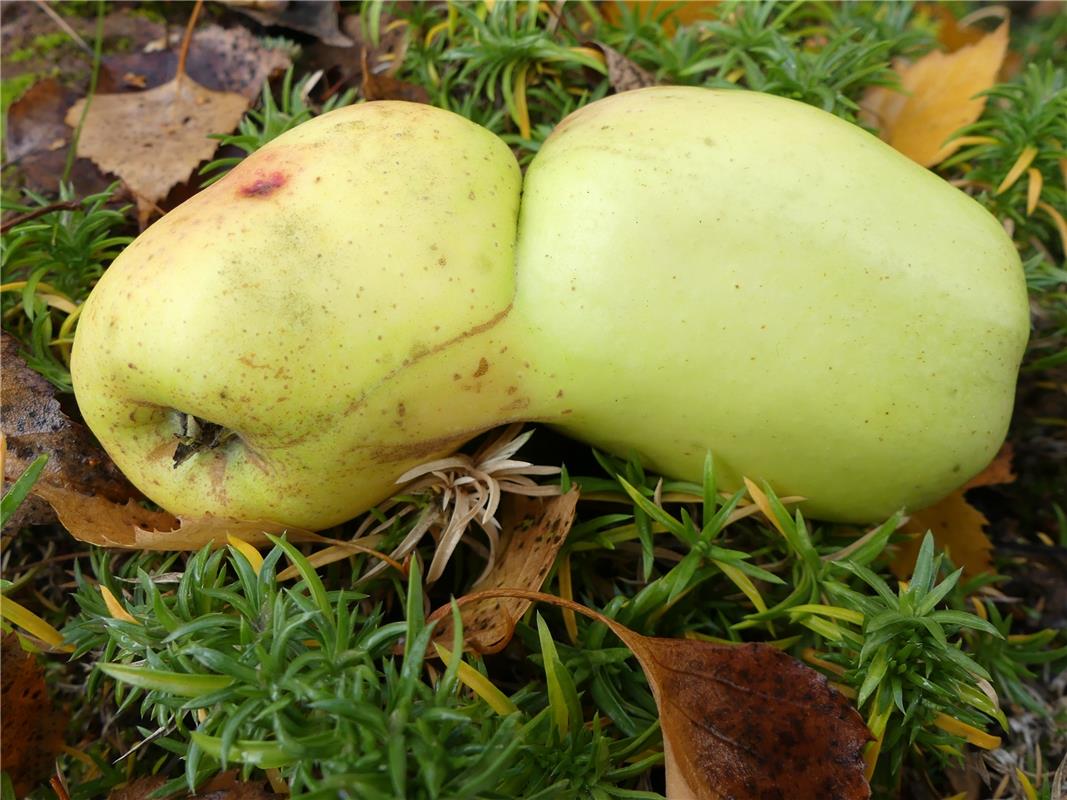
691,270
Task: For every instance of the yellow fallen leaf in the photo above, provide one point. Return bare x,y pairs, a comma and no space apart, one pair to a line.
937,98
958,527
956,34
251,554
115,607
958,530
673,14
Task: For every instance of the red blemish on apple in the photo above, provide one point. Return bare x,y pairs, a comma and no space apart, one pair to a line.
263,185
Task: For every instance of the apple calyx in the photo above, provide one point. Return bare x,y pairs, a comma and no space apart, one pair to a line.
197,435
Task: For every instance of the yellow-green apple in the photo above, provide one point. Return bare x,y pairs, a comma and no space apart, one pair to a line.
691,270
738,272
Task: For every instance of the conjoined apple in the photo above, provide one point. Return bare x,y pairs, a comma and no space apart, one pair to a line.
689,270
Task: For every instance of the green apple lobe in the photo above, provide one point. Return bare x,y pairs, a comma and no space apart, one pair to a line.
690,270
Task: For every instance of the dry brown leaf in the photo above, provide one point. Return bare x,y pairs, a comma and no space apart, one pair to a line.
154,139
624,74
319,19
740,721
33,727
533,530
139,789
937,98
958,530
999,470
220,59
33,423
957,526
35,121
749,721
99,521
227,786
386,87
223,786
36,138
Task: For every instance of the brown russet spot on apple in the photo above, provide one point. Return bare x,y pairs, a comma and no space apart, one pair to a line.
264,185
420,450
483,367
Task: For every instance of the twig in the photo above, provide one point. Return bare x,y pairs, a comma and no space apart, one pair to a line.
187,40
65,205
62,23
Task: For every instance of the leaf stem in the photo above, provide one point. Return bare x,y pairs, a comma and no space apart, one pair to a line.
187,39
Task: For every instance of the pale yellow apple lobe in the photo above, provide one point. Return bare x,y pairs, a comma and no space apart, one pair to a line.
735,272
330,305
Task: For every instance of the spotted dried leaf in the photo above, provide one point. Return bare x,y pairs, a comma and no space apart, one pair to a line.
533,530
749,721
228,786
154,139
33,727
739,721
938,95
138,789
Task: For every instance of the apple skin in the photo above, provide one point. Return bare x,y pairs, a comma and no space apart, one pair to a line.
333,301
740,273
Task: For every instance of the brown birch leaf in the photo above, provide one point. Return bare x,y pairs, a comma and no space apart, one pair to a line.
154,139
740,722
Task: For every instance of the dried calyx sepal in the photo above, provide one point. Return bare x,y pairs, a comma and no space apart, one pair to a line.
470,488
461,489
